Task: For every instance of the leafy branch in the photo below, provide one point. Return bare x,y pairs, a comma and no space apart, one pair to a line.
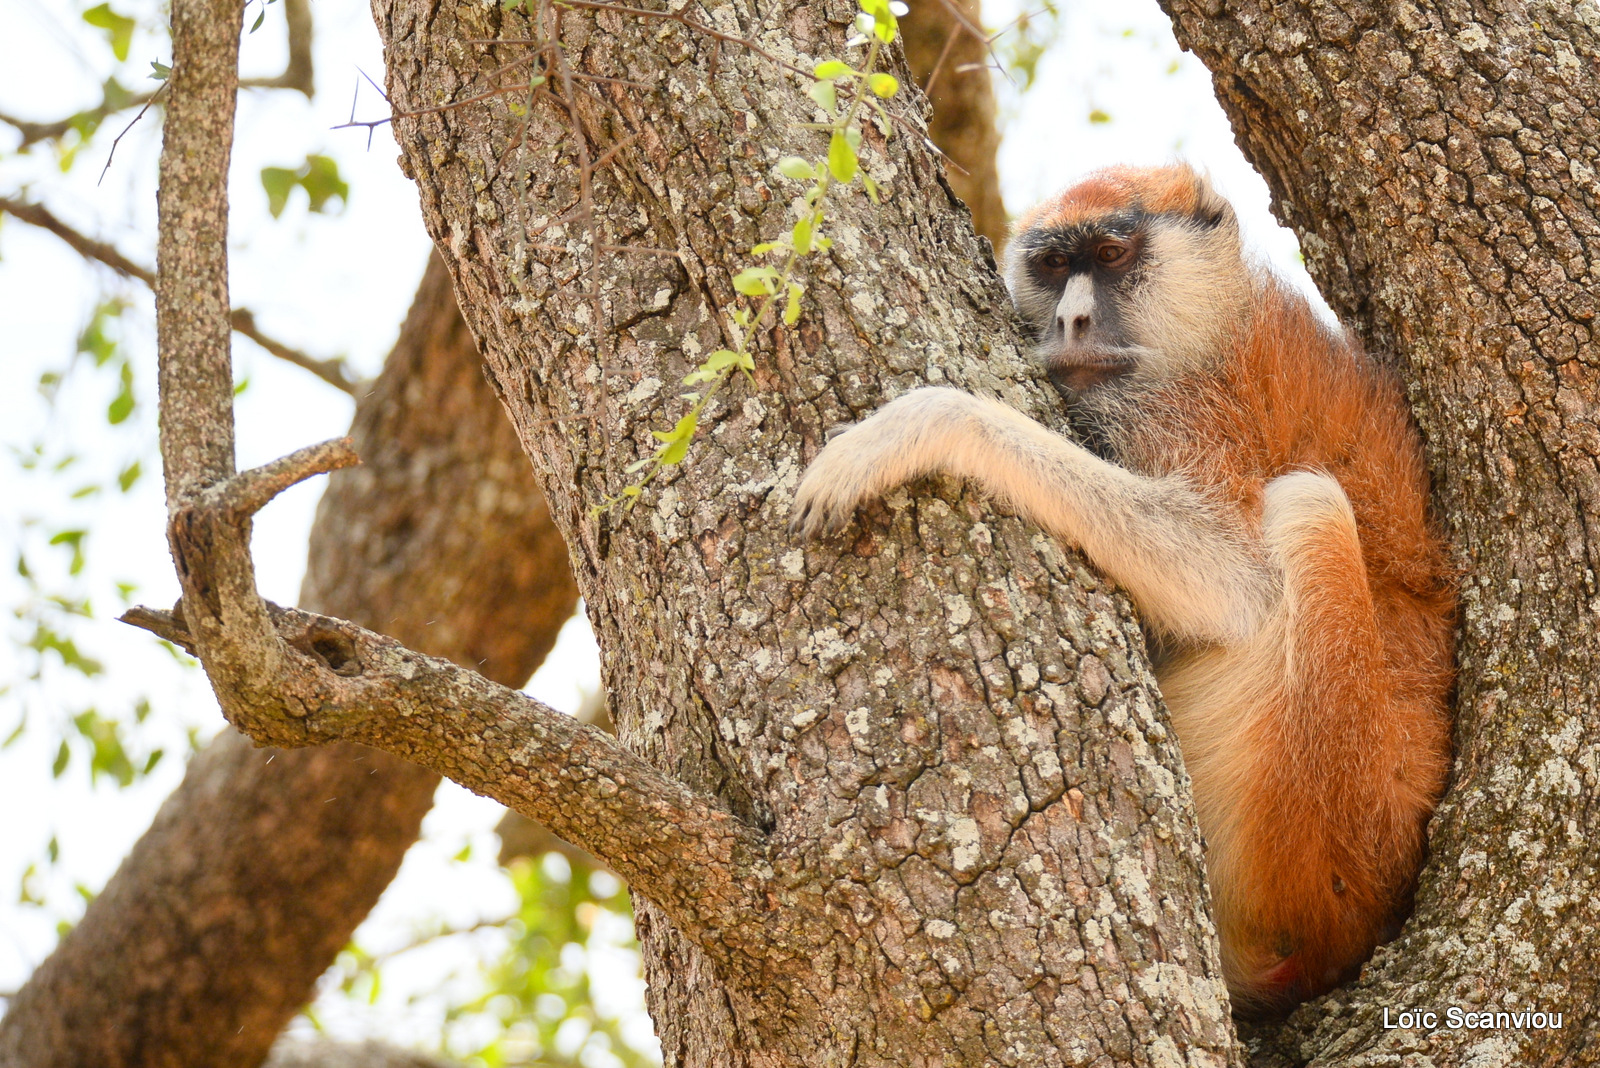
840,166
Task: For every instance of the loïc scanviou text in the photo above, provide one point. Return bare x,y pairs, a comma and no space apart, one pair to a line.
1456,1019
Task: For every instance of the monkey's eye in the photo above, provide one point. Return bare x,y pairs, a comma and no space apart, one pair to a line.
1055,261
1111,255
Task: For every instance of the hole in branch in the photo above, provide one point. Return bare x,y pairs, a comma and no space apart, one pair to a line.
337,652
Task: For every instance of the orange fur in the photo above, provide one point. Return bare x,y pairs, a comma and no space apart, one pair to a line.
1159,190
1265,507
1336,766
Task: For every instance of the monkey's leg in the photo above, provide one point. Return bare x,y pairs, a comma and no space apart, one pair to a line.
1184,560
1311,778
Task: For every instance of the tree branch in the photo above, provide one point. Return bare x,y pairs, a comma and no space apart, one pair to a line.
292,678
35,132
703,866
947,51
257,870
297,73
334,371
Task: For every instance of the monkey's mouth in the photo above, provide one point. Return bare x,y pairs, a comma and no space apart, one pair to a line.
1080,370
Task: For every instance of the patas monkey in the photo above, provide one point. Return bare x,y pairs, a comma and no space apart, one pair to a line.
1264,504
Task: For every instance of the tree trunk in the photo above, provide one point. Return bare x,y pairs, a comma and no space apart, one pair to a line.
1439,161
257,870
942,728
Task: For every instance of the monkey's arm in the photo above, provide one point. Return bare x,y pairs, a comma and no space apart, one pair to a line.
1194,574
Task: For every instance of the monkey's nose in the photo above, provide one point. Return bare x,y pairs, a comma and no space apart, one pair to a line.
1080,327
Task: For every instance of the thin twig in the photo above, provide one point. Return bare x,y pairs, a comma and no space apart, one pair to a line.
85,246
125,130
944,54
333,370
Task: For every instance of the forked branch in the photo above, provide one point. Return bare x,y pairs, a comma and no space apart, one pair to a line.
291,678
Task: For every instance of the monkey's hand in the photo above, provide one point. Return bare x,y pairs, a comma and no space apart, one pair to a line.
905,439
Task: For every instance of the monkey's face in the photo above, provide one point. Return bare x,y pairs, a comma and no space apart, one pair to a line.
1131,274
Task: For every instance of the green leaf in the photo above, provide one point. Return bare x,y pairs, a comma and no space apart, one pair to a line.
883,20
796,168
830,70
259,20
95,341
791,312
885,85
15,735
801,235
673,454
675,443
1098,117
28,895
842,161
278,182
107,755
129,475
63,758
319,177
118,27
74,540
159,71
756,281
122,404
322,182
824,94
872,187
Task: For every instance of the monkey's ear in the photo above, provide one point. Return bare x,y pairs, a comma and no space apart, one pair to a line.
1211,207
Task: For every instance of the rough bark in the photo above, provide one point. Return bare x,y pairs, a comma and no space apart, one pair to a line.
946,52
258,869
1438,161
943,726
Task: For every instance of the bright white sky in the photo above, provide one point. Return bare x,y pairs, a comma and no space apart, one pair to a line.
340,284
